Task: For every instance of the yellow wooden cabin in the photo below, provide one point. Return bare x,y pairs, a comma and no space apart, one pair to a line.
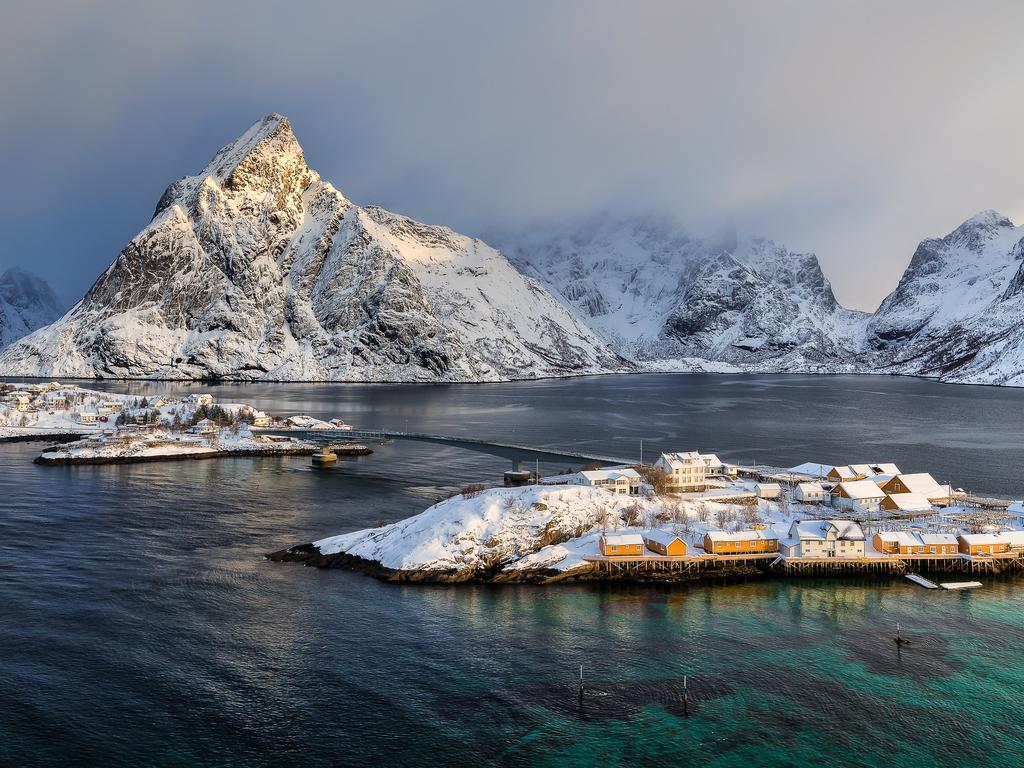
982,544
621,545
664,543
740,542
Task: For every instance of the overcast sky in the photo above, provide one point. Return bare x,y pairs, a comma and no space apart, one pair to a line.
851,129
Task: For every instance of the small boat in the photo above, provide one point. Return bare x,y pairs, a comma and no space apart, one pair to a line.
325,457
961,584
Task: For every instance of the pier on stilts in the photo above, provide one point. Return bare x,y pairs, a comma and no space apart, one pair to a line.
711,565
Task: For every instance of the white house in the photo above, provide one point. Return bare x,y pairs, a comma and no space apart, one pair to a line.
768,490
622,481
857,494
204,427
810,493
114,406
87,417
202,399
823,538
687,471
340,424
260,419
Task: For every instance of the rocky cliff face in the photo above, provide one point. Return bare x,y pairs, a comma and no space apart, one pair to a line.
256,268
26,303
958,311
657,294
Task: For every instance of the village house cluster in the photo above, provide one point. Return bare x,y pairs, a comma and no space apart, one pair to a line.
878,513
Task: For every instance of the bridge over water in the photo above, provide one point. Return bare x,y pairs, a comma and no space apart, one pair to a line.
517,454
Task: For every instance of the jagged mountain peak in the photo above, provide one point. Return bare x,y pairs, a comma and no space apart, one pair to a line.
255,268
975,232
266,159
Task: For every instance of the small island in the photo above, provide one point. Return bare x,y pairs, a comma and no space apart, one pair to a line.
688,517
95,427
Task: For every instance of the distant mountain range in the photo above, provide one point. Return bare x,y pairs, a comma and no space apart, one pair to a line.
256,268
26,303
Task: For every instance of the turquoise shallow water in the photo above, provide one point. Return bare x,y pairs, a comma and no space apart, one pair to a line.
140,626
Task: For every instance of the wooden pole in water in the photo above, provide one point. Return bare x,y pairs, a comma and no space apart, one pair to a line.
581,683
686,699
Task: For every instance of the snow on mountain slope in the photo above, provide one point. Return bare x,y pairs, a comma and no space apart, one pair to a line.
958,311
26,303
658,295
256,268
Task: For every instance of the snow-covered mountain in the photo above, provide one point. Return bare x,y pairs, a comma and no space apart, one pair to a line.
958,311
658,295
256,268
26,303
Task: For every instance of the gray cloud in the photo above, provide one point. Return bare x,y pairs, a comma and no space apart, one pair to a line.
850,129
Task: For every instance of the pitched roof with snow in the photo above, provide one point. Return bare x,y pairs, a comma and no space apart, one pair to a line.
811,488
910,502
924,484
764,534
811,468
845,473
861,489
661,537
981,538
862,469
623,539
938,538
610,474
819,529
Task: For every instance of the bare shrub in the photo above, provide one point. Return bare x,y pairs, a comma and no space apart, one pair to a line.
473,490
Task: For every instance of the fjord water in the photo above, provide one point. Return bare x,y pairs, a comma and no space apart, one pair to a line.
141,627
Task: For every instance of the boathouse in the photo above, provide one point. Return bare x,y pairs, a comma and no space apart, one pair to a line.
741,542
898,543
906,502
621,544
664,543
920,483
982,544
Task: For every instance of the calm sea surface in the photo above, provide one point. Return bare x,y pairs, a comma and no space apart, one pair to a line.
139,625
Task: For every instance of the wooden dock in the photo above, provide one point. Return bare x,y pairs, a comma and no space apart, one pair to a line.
665,565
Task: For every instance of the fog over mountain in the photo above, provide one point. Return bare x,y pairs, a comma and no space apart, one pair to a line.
844,130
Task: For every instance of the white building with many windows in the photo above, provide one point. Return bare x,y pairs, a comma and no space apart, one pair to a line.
687,471
824,538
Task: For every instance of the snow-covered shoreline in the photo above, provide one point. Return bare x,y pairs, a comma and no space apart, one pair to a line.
537,533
